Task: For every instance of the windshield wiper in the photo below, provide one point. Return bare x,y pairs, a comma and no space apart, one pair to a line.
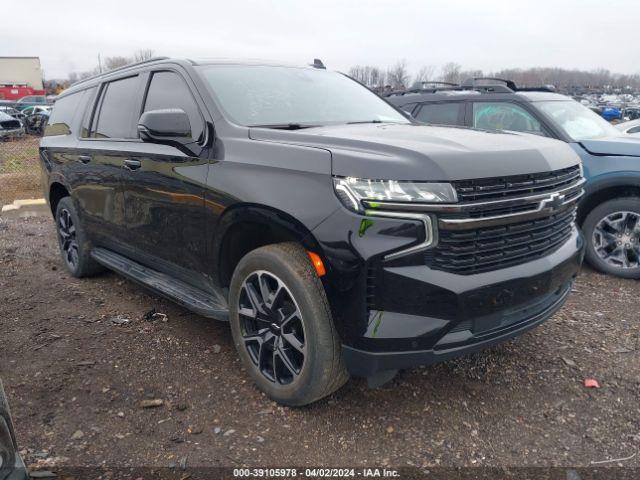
285,126
365,121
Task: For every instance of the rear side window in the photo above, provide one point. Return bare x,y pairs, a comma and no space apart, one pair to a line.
62,115
115,110
169,90
504,116
441,113
408,108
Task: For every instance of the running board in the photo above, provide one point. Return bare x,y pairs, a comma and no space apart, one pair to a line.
212,305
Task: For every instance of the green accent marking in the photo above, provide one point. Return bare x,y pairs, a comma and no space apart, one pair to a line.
365,224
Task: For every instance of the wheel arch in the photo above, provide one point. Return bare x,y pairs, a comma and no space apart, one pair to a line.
57,191
244,228
627,184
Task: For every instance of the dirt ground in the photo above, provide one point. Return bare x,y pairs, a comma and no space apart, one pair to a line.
75,380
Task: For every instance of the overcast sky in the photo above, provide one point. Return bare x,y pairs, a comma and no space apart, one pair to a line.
68,35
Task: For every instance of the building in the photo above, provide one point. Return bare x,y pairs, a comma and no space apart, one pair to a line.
21,71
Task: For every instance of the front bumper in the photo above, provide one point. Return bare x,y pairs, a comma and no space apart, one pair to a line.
16,132
398,314
366,363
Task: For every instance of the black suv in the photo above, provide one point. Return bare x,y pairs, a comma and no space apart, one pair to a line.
335,234
609,213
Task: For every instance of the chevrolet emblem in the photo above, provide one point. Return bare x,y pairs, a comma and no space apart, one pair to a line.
554,201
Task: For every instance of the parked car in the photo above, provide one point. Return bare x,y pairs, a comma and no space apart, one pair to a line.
31,101
10,127
335,234
632,127
36,119
12,112
611,113
36,110
609,214
11,465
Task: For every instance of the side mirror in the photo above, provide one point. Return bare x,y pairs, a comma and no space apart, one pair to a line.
169,125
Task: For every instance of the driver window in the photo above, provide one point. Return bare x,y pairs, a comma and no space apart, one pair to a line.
504,116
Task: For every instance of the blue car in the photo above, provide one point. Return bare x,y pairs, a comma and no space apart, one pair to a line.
611,113
609,213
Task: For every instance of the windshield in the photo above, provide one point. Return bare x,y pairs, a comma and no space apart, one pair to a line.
577,121
281,96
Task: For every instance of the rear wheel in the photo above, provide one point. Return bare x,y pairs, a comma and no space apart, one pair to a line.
74,247
282,325
612,231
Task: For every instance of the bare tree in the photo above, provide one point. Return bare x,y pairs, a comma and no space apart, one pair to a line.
425,74
398,76
470,74
111,63
143,54
451,72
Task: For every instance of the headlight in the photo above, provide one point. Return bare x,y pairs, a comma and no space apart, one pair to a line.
352,191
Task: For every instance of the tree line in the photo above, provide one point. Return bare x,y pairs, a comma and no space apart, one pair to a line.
398,77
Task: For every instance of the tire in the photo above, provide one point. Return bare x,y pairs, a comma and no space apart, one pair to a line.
614,221
75,248
7,438
297,359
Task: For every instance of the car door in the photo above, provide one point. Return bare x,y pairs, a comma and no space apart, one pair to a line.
107,136
164,187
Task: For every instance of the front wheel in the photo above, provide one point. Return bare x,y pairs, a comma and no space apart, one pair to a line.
282,326
612,232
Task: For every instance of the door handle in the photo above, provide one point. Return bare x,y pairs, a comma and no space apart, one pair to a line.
132,164
85,158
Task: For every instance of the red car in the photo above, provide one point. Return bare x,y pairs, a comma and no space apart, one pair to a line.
15,92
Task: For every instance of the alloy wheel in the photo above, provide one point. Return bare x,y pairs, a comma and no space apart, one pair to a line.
68,240
616,239
272,327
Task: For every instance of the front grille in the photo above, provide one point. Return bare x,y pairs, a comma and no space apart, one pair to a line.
10,124
516,185
490,248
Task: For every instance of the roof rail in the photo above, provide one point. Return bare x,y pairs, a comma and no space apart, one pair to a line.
509,85
425,89
124,67
439,83
543,88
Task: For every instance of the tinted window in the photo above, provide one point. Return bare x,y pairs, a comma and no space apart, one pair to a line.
62,115
115,109
504,116
26,100
409,107
168,90
441,113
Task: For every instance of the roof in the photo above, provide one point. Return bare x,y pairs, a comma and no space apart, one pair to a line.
95,79
448,95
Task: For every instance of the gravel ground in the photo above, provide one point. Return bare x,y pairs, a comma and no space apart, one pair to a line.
76,381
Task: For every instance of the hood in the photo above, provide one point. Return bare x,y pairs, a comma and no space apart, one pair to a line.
618,146
419,152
